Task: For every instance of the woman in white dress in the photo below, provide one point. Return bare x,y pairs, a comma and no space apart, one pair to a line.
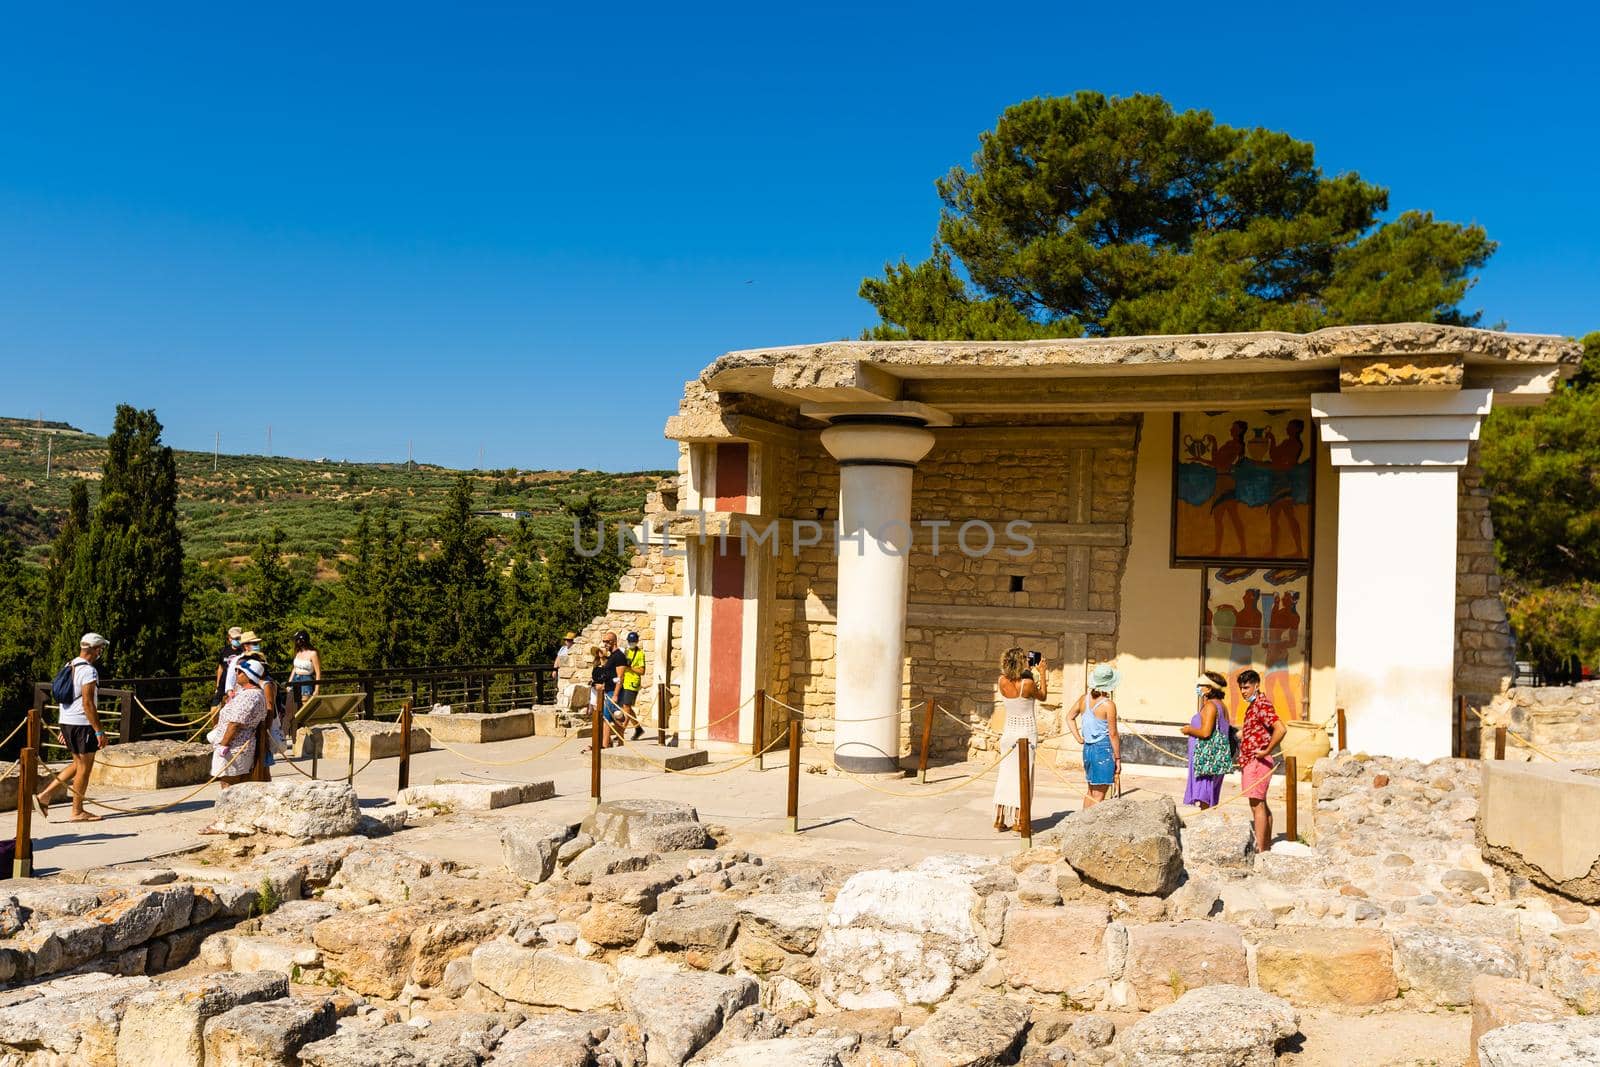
1019,688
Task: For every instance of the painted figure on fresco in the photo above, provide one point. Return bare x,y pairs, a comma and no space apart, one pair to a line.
1253,622
1243,488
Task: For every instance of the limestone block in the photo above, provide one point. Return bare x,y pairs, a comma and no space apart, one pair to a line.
1166,960
76,1018
777,1052
612,924
602,860
271,954
166,1025
1498,1002
792,921
617,822
379,876
899,937
1440,966
680,1014
475,728
1217,1026
1130,843
267,1034
399,1045
563,1040
374,739
1573,970
139,916
708,927
152,765
475,796
531,847
1569,1042
1349,967
1056,950
1220,841
371,953
302,809
543,977
985,1029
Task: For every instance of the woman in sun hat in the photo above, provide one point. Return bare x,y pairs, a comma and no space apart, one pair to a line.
1102,745
234,756
1210,747
1019,688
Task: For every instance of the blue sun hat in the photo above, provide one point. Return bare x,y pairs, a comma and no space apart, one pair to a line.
1105,678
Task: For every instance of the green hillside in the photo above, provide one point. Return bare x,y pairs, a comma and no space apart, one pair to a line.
317,503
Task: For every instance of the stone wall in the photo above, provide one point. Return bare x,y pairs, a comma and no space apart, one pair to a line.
1485,649
955,665
1563,720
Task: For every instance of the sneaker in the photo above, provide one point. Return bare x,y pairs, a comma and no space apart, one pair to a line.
638,732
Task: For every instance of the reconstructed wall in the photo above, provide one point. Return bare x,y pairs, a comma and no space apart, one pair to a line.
955,665
1485,649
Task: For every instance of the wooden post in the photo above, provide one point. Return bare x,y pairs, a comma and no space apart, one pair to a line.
1461,724
927,733
369,697
259,772
1339,722
27,786
1499,742
129,728
35,729
405,745
1024,798
663,695
795,720
538,687
596,739
483,692
758,730
1291,798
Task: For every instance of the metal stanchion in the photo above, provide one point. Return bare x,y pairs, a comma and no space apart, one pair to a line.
405,745
758,730
1025,798
596,739
1291,798
1499,742
27,785
795,719
927,733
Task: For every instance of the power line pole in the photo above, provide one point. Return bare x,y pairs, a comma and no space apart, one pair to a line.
216,451
408,456
49,455
269,438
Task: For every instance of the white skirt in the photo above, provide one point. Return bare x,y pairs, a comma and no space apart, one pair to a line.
1007,787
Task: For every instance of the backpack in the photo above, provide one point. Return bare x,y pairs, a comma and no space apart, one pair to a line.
64,688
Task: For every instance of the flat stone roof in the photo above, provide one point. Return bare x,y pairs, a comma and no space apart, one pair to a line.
920,359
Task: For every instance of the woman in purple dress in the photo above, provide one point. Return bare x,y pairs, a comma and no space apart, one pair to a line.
1210,747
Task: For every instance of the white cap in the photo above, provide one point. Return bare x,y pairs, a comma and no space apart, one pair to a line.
92,640
252,668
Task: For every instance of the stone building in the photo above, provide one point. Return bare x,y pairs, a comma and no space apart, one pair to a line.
859,527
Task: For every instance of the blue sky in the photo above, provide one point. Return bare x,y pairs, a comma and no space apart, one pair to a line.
522,229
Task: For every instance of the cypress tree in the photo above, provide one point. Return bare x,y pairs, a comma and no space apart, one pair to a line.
126,577
269,596
58,643
18,626
464,619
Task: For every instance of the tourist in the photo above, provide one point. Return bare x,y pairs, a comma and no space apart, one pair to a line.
231,648
630,677
1259,735
616,660
305,677
600,675
81,731
1210,744
1019,688
564,653
1102,745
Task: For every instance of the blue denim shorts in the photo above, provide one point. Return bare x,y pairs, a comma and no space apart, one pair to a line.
1098,765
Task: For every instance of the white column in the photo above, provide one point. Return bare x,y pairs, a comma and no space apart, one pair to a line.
1397,456
876,461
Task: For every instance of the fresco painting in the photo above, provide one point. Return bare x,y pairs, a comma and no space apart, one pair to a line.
1259,618
1242,487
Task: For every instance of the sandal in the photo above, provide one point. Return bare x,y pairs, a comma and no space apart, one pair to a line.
44,805
84,816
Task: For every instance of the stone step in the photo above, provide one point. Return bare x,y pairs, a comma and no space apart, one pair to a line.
374,740
130,766
459,794
648,756
476,728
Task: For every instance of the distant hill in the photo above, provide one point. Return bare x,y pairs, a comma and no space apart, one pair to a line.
317,502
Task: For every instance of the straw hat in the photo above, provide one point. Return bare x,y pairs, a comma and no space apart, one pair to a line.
249,638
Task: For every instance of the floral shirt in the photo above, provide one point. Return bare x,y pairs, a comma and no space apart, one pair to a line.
1255,737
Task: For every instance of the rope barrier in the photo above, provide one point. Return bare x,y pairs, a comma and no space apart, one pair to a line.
710,773
167,722
962,784
503,763
1525,744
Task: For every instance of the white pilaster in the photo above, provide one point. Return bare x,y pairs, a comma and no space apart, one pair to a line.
876,461
1397,455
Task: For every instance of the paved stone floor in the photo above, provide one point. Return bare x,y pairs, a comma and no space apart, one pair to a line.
837,815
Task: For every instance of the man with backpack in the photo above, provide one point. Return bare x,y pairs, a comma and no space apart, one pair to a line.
74,689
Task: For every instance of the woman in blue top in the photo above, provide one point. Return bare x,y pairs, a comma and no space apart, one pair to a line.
1102,746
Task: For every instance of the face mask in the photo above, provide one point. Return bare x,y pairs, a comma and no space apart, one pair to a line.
234,642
